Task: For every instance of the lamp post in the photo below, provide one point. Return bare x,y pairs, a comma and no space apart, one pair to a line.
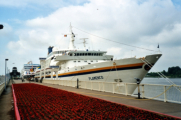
1,26
5,72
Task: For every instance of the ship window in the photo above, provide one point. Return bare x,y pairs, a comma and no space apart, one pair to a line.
85,61
81,54
94,54
91,60
78,61
85,54
77,54
89,63
74,61
89,54
70,54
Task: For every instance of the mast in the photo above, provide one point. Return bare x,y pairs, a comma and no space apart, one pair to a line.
84,42
71,44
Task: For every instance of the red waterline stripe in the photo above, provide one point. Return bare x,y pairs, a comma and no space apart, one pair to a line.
131,106
15,105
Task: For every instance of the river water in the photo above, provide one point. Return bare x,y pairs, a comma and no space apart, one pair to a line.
173,94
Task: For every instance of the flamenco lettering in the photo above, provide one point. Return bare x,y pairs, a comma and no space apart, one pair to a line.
96,78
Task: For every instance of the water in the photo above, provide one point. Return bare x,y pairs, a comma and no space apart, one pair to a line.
161,81
173,94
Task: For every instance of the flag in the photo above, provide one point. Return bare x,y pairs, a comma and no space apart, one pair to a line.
158,46
31,70
65,35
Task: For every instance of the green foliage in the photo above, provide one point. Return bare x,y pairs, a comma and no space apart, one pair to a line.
173,72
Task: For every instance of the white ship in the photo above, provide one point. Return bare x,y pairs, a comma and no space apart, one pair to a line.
28,70
73,64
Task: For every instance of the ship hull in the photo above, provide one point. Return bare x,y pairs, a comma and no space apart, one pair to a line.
123,70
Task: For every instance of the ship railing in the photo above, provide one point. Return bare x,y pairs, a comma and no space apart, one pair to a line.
159,92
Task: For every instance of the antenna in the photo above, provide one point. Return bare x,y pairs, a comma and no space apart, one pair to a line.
84,41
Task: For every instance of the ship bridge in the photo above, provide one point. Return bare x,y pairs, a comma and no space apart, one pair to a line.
84,55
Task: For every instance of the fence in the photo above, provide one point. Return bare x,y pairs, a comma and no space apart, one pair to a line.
147,90
112,87
2,83
166,93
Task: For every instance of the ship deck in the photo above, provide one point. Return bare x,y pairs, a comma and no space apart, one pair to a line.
172,109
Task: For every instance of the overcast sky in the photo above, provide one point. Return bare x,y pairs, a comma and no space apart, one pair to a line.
31,26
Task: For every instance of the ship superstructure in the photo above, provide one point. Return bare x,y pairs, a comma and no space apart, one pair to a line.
29,70
73,64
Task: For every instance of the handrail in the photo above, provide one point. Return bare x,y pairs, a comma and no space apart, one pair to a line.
114,82
17,115
160,85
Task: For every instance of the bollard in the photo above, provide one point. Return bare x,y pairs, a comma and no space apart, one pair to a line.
138,84
138,91
77,83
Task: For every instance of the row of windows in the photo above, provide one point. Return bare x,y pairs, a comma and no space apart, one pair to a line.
85,61
31,66
86,54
